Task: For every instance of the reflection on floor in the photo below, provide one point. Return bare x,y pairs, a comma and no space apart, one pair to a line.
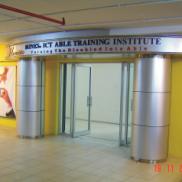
64,159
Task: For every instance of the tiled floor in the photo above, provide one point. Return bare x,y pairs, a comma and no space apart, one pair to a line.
102,130
97,129
63,159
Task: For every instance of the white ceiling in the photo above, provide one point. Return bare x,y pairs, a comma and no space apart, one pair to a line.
137,16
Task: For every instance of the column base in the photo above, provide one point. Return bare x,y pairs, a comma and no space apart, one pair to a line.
148,161
149,143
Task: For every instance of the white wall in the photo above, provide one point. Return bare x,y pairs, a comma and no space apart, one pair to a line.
106,85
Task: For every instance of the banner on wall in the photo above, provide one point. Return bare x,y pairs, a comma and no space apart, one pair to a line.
7,91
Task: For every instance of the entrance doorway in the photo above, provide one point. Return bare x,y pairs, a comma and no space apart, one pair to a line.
96,101
76,99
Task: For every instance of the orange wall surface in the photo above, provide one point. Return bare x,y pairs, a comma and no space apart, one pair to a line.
4,61
4,52
175,131
51,97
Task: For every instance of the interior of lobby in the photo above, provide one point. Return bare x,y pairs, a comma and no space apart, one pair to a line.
85,78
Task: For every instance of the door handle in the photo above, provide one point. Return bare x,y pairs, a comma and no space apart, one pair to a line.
89,101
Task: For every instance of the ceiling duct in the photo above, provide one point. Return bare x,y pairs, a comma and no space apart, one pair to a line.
9,8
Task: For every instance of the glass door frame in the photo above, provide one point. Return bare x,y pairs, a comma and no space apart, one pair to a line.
125,103
74,133
62,101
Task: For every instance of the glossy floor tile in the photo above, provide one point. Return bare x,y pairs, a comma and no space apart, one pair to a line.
84,159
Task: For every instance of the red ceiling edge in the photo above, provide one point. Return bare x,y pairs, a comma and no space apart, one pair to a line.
9,8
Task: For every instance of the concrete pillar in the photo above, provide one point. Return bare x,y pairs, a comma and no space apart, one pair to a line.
30,97
150,123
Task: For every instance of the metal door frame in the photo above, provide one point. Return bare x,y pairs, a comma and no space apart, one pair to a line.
73,133
124,104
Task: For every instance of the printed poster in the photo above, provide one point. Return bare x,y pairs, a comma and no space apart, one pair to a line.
7,91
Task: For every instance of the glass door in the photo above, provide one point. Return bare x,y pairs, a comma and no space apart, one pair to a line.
75,99
81,99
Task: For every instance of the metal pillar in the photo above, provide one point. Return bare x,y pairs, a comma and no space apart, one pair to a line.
30,98
151,109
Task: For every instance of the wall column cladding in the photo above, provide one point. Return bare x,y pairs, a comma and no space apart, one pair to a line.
30,97
150,123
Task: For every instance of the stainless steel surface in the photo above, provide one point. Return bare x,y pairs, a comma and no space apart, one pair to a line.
149,143
42,71
148,161
42,105
28,124
29,98
43,85
75,43
29,72
42,102
151,109
158,44
152,74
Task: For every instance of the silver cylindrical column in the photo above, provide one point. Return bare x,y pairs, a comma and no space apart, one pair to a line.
151,108
30,97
